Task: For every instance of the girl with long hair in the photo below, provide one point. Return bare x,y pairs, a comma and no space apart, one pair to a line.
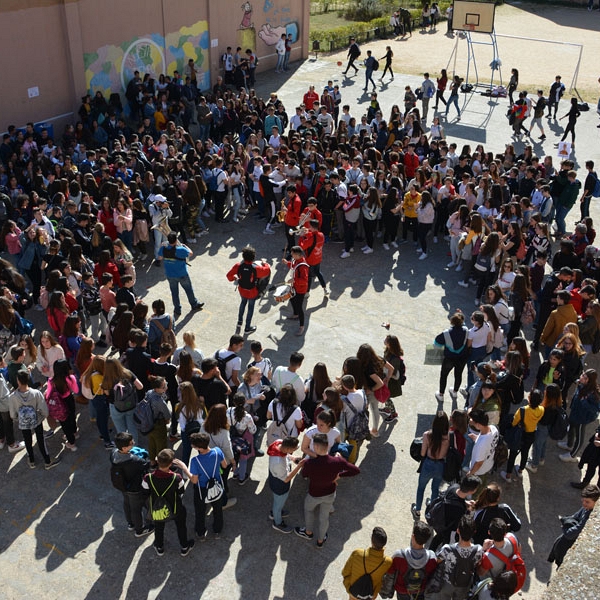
425,219
61,389
120,334
57,312
49,351
91,384
552,404
324,423
241,425
488,507
371,211
191,414
393,354
573,354
117,375
373,378
433,454
314,387
585,407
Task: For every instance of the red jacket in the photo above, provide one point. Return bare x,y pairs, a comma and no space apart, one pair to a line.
300,270
411,163
314,214
109,268
309,99
312,244
294,208
262,270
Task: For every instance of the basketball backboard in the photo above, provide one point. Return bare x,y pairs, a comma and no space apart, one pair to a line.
477,17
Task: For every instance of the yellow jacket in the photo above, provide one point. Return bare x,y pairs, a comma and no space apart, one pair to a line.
374,560
531,417
410,204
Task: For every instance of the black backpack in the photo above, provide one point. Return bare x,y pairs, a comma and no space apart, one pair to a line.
464,569
222,363
375,65
246,276
125,395
453,461
362,588
560,426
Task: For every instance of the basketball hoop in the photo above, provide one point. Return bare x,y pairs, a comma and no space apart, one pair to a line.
470,27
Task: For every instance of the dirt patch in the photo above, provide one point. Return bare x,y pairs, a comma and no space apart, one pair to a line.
538,62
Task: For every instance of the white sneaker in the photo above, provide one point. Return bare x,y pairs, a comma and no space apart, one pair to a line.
459,268
568,458
345,254
518,472
505,476
394,244
268,232
453,394
439,396
435,239
192,240
463,284
364,248
352,249
203,232
16,447
386,247
368,251
542,462
563,446
531,468
451,264
230,502
423,256
476,302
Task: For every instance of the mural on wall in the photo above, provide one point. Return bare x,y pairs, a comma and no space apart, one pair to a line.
111,67
277,21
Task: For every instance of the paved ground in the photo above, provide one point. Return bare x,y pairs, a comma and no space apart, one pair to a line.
63,532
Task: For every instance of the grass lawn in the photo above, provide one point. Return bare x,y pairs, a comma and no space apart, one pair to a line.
326,21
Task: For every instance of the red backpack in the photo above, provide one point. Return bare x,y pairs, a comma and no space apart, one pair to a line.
514,563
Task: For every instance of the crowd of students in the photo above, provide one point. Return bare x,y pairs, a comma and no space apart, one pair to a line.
80,214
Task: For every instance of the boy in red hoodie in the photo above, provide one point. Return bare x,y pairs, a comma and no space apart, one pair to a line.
281,473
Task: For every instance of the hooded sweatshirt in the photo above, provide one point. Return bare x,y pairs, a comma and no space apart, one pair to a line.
280,466
406,560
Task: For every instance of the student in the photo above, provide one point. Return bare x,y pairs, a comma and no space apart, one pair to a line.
289,374
283,467
205,466
573,525
163,367
260,362
29,409
415,559
322,473
125,293
189,345
501,542
369,561
358,400
455,584
7,432
157,438
170,486
133,467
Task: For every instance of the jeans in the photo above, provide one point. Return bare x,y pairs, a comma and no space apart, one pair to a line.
159,240
242,468
200,510
539,445
584,207
204,131
316,514
477,355
219,202
133,505
369,77
453,100
186,284
101,406
286,60
237,200
561,214
123,421
526,443
279,501
127,238
423,230
243,302
431,470
280,62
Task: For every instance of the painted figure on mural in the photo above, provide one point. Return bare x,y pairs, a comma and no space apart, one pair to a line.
247,18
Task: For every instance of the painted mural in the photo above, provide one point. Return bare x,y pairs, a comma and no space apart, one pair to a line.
111,67
275,19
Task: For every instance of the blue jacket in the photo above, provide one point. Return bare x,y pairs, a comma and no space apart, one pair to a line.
584,409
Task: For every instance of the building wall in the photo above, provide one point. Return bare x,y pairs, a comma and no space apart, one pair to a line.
80,46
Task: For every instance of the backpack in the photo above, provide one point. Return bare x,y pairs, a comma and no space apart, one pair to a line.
514,434
27,417
358,428
91,301
413,579
474,593
57,409
528,315
514,563
222,363
144,416
192,426
362,588
596,190
558,429
415,449
277,428
214,487
500,453
247,279
435,515
124,395
453,461
464,569
212,181
167,334
375,65
117,477
62,340
160,509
